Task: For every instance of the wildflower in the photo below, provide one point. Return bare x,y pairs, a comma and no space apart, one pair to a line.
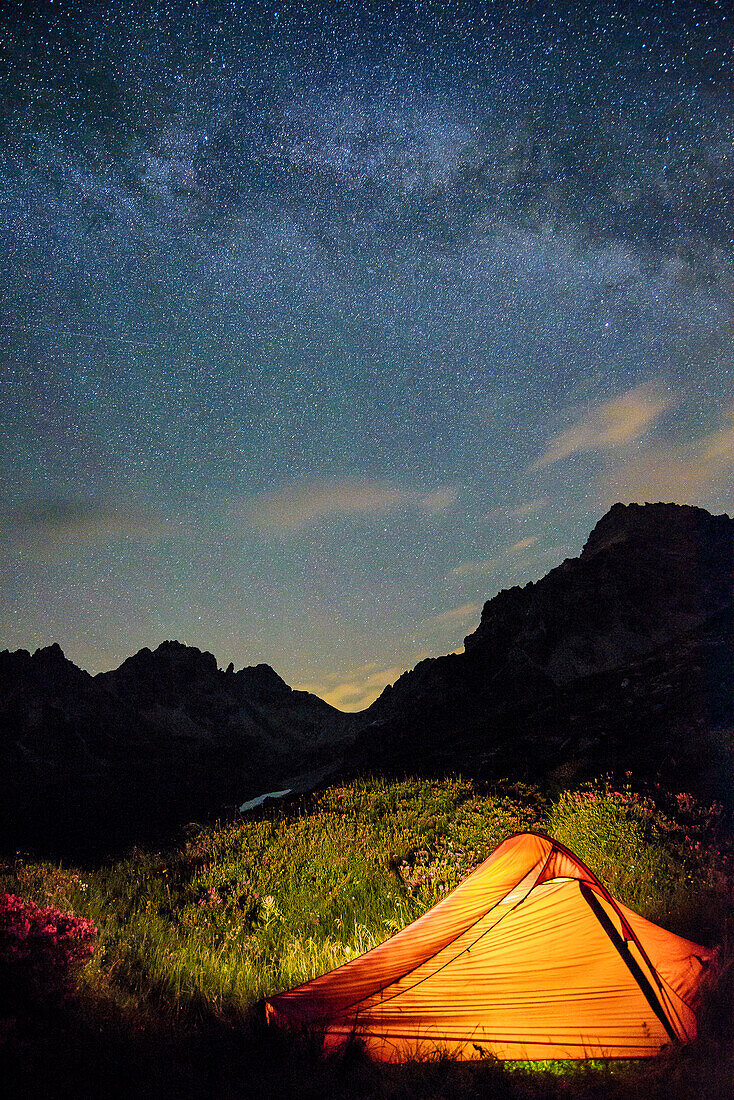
41,947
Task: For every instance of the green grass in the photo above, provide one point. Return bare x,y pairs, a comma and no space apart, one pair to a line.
194,936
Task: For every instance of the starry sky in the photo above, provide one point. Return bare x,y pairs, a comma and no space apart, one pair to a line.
323,322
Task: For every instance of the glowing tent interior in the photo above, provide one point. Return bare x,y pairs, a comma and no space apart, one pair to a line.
529,958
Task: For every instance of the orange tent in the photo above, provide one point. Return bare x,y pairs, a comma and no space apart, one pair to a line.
529,958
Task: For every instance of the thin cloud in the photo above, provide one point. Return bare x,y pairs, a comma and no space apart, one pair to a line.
439,501
51,523
489,565
526,508
474,568
295,507
456,614
355,690
611,424
686,473
529,507
521,545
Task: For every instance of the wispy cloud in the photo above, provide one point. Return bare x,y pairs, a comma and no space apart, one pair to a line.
526,508
685,473
455,614
354,689
489,565
474,568
52,523
441,500
295,507
611,424
521,544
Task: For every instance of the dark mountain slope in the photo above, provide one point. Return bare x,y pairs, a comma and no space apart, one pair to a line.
89,764
618,658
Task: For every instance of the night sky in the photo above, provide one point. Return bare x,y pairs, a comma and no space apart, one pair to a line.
323,322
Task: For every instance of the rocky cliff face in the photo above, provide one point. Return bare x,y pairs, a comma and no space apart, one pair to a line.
647,574
620,657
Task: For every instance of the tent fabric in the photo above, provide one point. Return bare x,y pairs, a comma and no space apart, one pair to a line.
529,958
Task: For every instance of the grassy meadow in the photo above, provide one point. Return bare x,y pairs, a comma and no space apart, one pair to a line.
192,937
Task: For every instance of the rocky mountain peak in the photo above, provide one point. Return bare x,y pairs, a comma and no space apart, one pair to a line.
173,654
261,680
50,654
175,670
172,664
680,528
646,573
47,668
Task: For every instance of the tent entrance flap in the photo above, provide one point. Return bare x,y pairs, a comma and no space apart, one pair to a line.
626,955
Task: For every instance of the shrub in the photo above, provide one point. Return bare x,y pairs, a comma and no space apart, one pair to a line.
621,836
41,951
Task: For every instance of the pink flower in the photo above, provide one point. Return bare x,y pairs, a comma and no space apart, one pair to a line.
42,945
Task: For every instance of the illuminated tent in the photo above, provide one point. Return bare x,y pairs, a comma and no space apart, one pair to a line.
529,958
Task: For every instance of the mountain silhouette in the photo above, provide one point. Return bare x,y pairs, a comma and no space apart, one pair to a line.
619,659
93,763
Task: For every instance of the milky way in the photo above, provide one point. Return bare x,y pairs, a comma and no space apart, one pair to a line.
323,322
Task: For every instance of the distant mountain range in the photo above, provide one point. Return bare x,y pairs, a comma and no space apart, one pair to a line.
90,763
619,659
